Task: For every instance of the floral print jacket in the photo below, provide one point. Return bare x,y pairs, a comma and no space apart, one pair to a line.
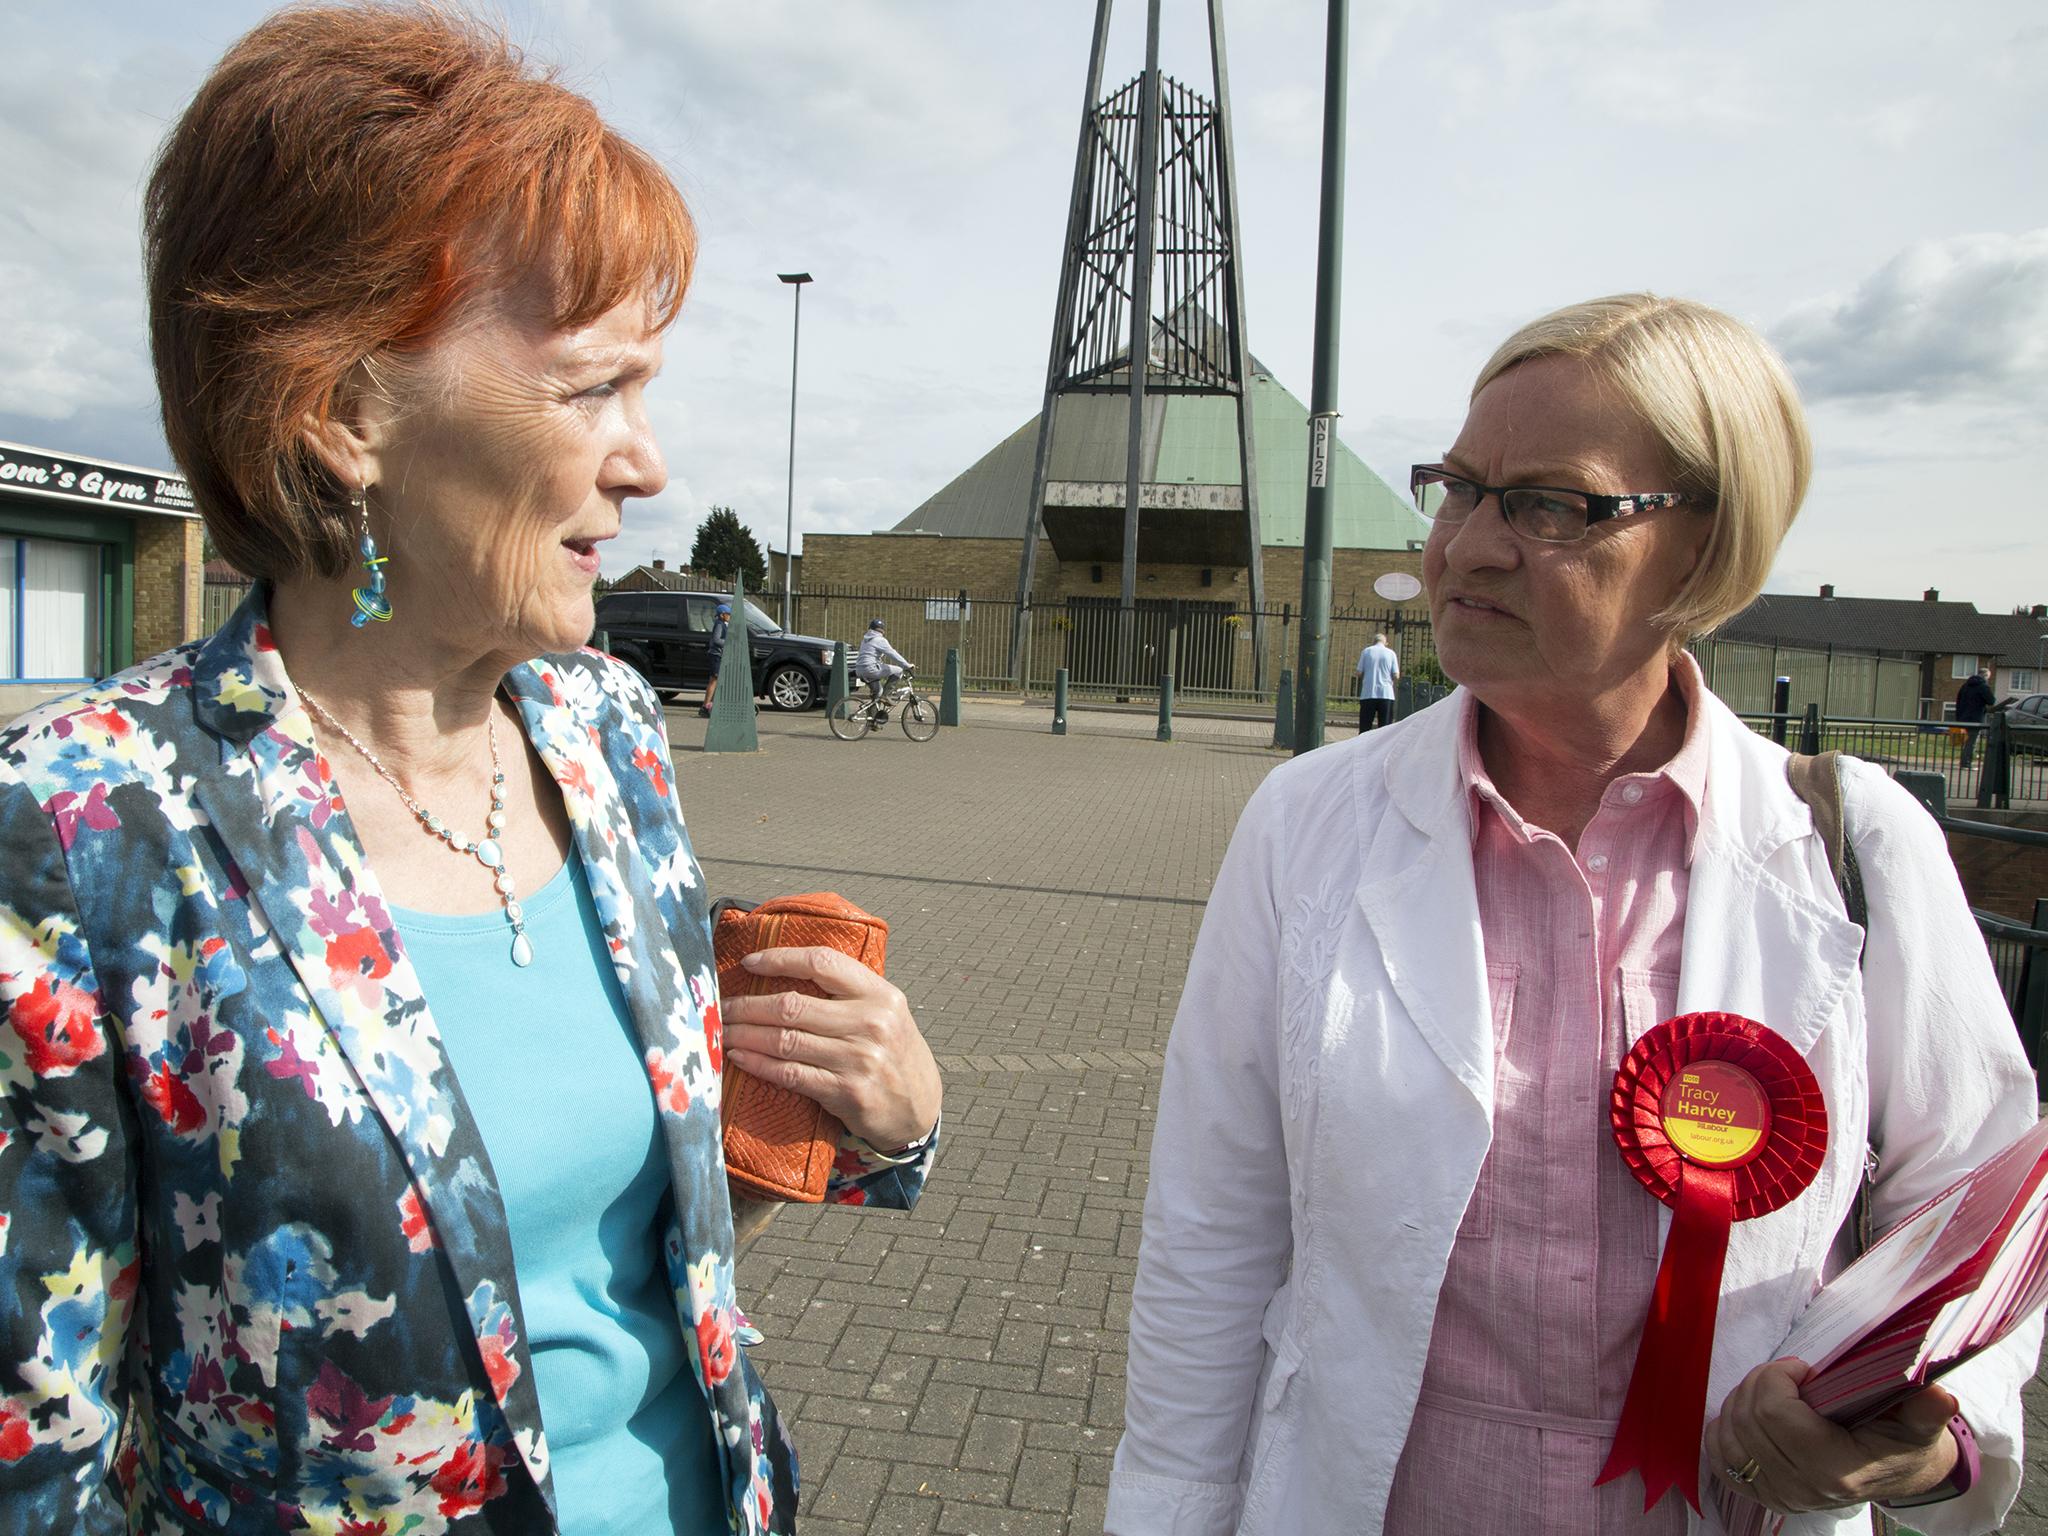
255,1274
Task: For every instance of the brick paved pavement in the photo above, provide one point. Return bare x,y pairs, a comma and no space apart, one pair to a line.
960,1369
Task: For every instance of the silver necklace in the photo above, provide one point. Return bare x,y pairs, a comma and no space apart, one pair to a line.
486,850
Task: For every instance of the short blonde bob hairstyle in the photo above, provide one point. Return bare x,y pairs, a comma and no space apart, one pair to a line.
1724,407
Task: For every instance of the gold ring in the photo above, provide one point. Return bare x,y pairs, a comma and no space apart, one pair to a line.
1746,1473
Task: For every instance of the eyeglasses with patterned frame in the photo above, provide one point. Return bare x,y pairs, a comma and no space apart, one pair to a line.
1546,513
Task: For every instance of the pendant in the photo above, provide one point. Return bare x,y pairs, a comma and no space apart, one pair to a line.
522,951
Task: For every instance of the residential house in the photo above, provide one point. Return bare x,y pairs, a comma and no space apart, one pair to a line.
1887,658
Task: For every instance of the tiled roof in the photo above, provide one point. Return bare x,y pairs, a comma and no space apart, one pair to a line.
668,581
1887,625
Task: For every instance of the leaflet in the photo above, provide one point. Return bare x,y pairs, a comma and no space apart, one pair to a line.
1951,1280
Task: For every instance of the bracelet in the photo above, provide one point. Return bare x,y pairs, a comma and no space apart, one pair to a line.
1961,1477
903,1155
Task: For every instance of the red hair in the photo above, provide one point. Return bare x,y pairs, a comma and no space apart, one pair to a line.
346,177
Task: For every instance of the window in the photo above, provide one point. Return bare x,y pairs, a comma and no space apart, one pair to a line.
50,611
1962,666
10,609
659,613
703,610
2021,679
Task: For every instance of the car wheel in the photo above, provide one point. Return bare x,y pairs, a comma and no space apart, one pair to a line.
791,687
638,663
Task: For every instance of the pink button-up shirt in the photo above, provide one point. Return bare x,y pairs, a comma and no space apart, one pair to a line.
1543,1303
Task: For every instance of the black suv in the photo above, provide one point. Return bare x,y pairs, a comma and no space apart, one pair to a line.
666,637
2026,724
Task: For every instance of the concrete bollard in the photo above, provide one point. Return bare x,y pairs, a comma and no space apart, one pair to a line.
1059,702
1930,789
1809,731
949,693
1283,711
1165,707
731,726
835,681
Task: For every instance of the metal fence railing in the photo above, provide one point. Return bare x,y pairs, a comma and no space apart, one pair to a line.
2019,952
218,600
1231,657
1969,757
1216,651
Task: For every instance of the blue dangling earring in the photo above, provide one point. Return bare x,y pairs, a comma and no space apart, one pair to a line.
371,602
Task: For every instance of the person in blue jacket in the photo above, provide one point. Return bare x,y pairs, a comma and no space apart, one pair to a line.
721,623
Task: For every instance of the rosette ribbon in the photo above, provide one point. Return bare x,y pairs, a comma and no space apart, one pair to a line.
1723,1121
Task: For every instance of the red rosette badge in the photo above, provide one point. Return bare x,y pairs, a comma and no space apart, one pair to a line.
1723,1121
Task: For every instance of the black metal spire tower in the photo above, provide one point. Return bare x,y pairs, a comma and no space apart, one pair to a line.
1151,303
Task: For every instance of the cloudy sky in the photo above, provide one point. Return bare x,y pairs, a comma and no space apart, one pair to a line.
1864,181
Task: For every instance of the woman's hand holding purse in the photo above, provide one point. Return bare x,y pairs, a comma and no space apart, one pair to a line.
856,1050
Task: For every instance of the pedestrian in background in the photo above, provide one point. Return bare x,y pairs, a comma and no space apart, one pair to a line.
1378,670
1973,700
721,625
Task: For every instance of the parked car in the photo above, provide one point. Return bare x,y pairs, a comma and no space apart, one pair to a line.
2026,725
666,637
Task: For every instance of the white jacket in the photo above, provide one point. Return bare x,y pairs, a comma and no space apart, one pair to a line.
1328,1096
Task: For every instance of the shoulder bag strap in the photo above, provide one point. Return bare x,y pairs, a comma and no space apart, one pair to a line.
1818,781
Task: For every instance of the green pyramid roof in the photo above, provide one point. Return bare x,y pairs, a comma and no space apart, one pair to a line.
1189,439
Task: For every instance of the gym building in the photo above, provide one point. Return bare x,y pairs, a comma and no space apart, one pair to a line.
100,567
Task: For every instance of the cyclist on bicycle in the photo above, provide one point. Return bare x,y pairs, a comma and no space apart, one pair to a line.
879,663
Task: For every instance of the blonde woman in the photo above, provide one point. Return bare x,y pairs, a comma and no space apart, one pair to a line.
1394,1271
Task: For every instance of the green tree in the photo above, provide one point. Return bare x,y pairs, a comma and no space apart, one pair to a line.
725,545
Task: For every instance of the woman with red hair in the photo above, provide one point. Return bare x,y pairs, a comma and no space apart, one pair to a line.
360,1166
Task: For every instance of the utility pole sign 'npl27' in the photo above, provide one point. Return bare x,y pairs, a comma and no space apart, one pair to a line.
1319,534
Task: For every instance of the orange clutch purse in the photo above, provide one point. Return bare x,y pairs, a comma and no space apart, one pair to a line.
780,1145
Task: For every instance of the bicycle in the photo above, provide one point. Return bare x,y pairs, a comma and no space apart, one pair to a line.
860,712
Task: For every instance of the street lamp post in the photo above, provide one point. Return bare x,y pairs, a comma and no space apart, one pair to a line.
796,280
1319,526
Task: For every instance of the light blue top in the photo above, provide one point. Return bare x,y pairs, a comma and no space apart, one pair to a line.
1377,668
547,1060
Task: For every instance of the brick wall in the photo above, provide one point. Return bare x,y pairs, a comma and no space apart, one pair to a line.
988,568
1352,573
920,562
168,576
2001,877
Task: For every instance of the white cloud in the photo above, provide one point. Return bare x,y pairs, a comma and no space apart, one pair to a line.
1619,59
76,136
1895,124
1960,317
